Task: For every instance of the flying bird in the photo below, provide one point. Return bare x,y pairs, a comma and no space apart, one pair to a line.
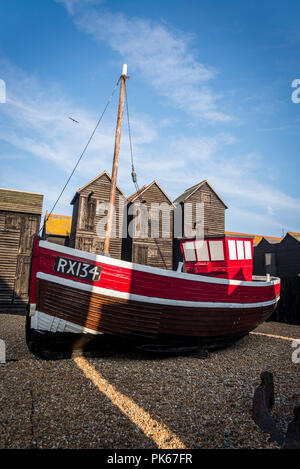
74,120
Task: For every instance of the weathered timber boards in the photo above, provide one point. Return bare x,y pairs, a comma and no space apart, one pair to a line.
86,217
20,201
9,247
156,250
111,315
214,211
17,231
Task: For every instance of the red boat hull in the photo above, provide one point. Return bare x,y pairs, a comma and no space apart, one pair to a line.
75,292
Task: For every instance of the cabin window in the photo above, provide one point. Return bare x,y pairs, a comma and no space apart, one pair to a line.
248,254
202,250
189,251
216,250
232,250
240,250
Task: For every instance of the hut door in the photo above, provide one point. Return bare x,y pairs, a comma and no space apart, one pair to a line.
9,243
270,263
140,254
22,278
29,227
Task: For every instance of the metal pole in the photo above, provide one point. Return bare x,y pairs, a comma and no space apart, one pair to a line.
114,175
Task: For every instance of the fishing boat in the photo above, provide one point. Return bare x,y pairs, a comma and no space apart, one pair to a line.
211,301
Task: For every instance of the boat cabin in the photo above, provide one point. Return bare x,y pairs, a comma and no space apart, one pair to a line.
223,257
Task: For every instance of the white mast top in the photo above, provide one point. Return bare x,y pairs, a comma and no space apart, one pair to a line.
124,69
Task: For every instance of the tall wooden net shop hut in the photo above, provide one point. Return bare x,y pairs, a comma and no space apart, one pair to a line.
281,257
88,212
213,208
155,246
20,217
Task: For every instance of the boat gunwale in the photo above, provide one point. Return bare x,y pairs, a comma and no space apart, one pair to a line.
258,282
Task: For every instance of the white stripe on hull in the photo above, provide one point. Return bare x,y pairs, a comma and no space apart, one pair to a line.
149,299
44,322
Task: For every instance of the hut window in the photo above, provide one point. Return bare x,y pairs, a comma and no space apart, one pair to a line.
270,263
202,250
189,251
91,212
206,198
240,250
268,257
216,250
152,252
248,254
232,250
11,222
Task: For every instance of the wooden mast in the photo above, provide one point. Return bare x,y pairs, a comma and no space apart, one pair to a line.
115,162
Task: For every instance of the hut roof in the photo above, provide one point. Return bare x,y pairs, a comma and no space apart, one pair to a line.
256,238
272,239
90,182
133,197
135,194
188,192
59,225
294,235
21,201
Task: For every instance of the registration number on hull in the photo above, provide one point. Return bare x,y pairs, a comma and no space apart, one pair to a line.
77,269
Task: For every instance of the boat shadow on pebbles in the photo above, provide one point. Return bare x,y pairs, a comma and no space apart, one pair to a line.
58,346
61,346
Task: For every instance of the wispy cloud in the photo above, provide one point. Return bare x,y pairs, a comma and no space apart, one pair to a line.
35,119
34,123
164,57
255,203
72,5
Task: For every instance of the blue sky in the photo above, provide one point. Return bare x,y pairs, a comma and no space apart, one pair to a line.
209,98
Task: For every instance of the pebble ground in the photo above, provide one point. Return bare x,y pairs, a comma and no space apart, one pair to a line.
133,401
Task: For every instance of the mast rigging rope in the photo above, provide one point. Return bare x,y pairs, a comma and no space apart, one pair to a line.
133,174
80,157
